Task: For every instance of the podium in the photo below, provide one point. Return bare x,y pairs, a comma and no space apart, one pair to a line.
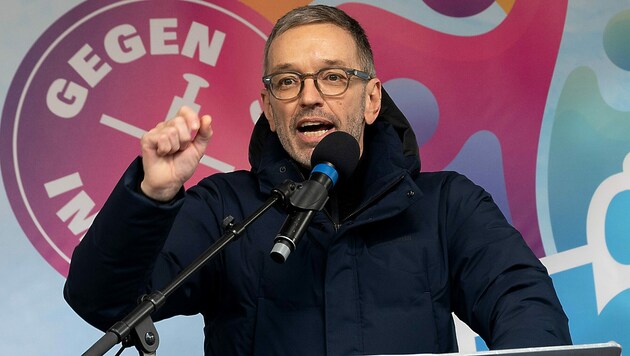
604,349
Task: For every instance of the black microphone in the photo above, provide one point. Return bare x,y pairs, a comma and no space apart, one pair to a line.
336,155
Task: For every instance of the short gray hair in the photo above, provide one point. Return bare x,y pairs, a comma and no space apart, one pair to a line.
315,14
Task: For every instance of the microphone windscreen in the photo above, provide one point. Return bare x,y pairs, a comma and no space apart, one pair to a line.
341,150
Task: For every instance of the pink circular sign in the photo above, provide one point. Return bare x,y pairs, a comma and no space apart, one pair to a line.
101,76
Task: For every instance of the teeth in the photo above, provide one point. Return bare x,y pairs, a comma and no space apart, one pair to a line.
315,133
306,124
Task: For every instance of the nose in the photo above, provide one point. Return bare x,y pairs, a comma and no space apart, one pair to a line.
310,95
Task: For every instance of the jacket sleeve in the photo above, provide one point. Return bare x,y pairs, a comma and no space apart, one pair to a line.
500,288
123,257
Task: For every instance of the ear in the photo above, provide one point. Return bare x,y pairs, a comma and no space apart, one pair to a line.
265,95
372,100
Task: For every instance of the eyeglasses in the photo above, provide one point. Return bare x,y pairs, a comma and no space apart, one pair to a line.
328,81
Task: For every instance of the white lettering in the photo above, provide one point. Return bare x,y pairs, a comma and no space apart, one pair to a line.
159,36
78,208
198,38
123,44
65,99
255,110
86,64
63,184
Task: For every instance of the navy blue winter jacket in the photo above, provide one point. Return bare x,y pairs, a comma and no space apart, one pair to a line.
379,271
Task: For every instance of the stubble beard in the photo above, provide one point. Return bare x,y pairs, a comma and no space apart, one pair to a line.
355,126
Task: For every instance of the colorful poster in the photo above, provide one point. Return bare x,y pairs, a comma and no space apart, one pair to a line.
529,99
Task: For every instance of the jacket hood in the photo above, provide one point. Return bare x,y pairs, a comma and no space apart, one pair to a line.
262,136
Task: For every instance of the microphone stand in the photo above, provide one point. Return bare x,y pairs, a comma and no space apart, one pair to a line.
137,328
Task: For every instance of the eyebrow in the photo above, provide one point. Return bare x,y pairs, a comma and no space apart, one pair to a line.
290,66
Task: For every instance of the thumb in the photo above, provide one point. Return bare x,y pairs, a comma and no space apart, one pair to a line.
203,134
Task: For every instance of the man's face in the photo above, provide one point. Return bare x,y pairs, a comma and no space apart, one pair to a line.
302,122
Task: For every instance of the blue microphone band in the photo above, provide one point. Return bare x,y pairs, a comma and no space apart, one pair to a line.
327,170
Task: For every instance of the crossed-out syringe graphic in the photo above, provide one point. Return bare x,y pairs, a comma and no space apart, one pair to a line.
194,84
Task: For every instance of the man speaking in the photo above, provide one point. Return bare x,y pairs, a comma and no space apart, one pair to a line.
379,269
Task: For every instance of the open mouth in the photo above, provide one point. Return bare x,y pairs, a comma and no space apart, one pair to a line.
315,128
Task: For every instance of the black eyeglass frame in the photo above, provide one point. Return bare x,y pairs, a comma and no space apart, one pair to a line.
351,72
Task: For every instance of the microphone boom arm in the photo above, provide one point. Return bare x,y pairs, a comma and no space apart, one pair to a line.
137,328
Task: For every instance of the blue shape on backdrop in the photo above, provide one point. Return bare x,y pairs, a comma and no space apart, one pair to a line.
576,290
616,42
418,104
480,159
618,229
